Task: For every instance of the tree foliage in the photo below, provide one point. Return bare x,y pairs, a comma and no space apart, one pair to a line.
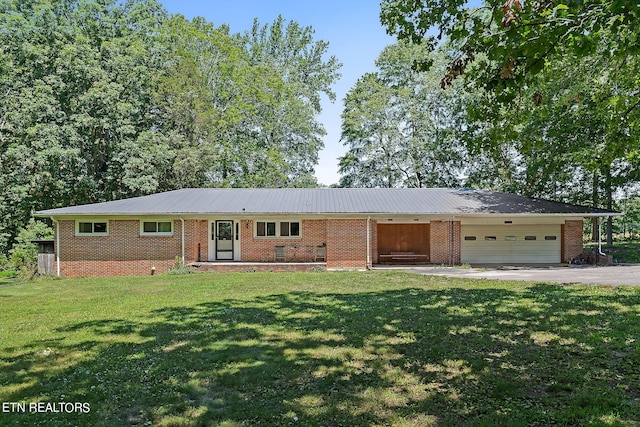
399,127
24,254
105,99
515,38
77,87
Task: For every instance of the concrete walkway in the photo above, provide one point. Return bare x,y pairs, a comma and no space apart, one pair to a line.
614,275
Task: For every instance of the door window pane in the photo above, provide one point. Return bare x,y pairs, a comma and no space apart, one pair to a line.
224,231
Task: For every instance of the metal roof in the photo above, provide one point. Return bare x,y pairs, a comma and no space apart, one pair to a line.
192,201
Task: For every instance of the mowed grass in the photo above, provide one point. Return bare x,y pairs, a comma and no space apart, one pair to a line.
326,349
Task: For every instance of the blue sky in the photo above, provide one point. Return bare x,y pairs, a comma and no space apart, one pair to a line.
351,27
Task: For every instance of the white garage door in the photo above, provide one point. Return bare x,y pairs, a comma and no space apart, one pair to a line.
510,244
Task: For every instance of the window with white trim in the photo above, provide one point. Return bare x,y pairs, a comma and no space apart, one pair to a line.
289,229
277,229
156,228
92,228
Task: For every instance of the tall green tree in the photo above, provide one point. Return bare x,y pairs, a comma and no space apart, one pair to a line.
400,127
105,99
586,120
570,135
560,81
244,107
78,84
287,126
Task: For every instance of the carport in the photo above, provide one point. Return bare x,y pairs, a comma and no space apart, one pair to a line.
403,243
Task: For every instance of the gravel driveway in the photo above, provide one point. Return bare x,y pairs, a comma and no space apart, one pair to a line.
612,275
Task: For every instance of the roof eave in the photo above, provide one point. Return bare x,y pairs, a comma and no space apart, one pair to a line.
45,214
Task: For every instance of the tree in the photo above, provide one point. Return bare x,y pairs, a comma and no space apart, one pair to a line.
563,137
400,127
561,80
515,38
24,254
78,83
244,106
580,124
629,224
106,99
370,131
287,126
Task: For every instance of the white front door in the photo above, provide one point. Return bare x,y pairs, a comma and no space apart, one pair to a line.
222,234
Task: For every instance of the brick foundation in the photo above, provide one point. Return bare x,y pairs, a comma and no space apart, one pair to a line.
258,266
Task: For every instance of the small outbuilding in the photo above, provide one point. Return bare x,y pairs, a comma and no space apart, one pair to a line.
46,256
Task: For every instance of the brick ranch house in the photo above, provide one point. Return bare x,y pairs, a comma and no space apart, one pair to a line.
301,229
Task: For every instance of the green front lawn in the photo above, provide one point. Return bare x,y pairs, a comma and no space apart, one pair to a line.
330,349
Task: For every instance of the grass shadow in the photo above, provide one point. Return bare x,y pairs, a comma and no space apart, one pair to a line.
534,356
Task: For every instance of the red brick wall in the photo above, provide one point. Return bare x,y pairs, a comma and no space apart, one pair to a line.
198,234
571,239
346,243
374,241
312,234
445,242
124,251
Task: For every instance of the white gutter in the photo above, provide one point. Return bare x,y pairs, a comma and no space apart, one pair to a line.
368,267
182,240
452,240
600,238
57,246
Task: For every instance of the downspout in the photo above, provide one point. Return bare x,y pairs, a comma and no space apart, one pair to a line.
57,224
182,220
368,267
600,238
451,242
